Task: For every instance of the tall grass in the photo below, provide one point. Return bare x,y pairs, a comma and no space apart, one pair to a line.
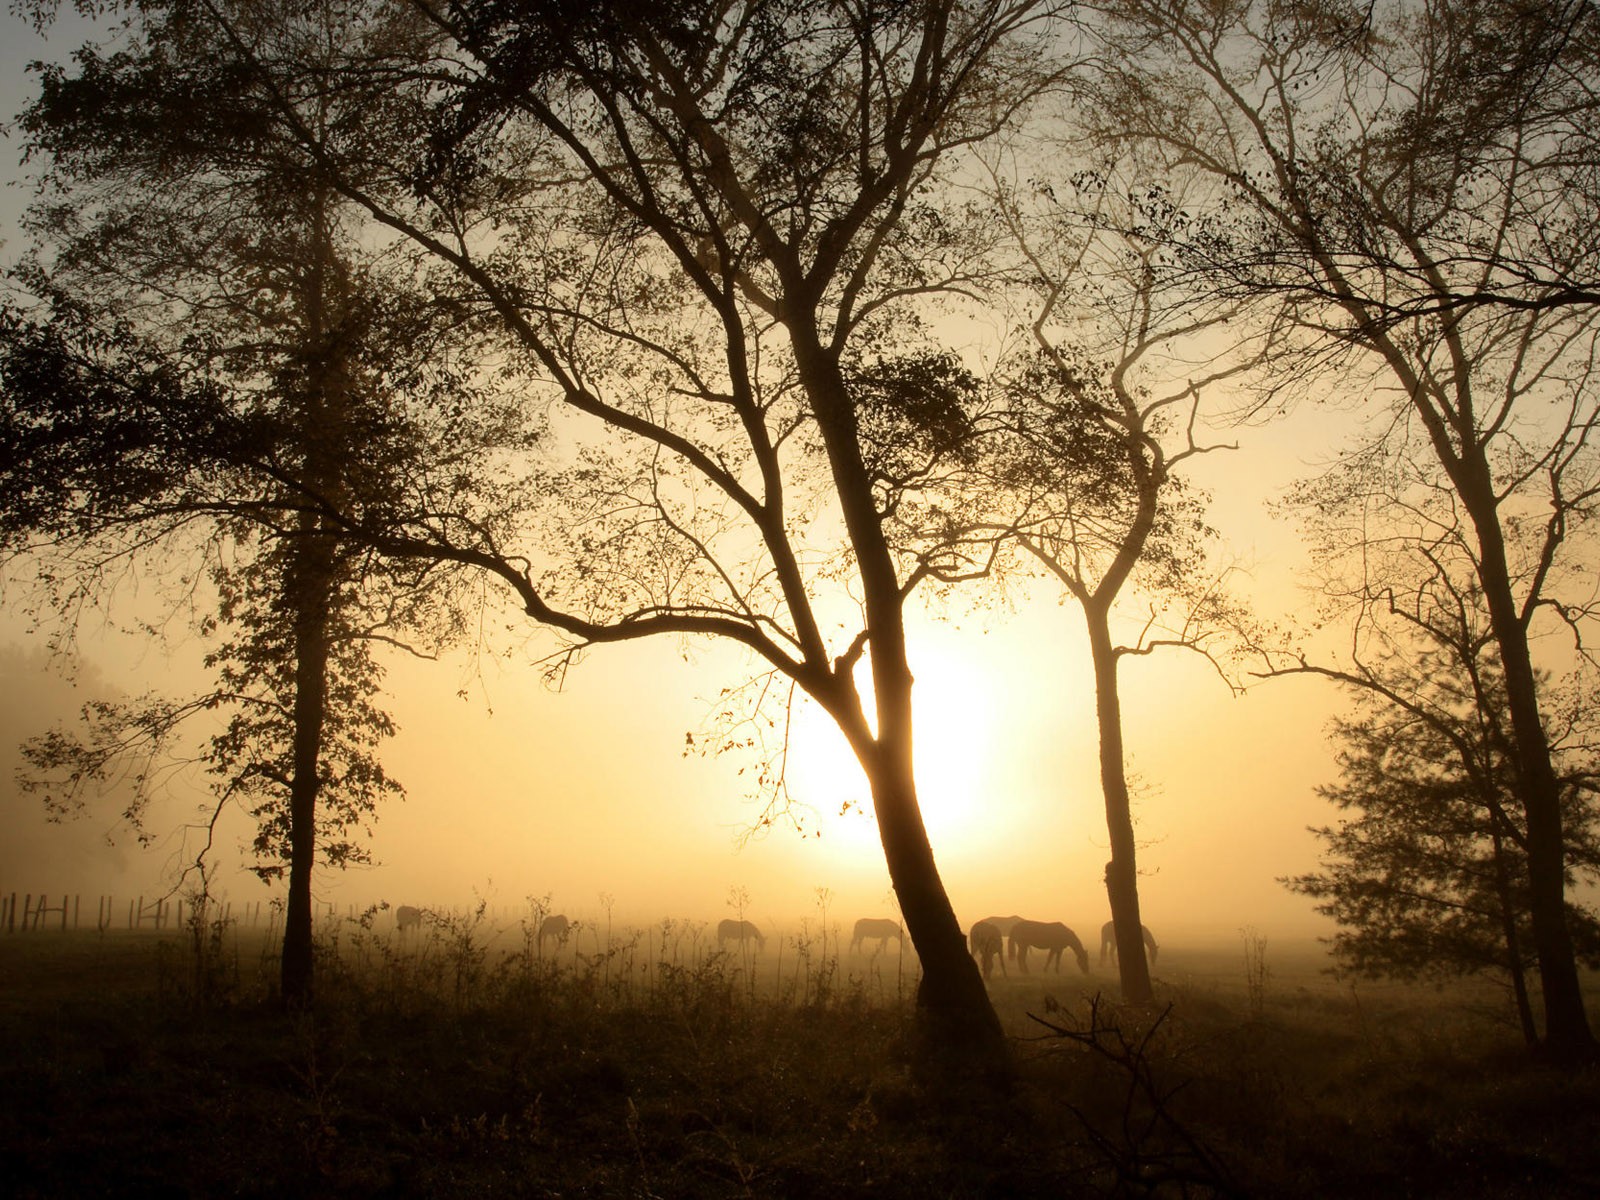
461,1058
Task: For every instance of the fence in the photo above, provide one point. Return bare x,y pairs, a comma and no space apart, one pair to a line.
36,913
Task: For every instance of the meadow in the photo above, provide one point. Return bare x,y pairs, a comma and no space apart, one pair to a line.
463,1059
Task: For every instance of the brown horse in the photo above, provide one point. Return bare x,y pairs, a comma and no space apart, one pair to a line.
988,944
879,928
741,932
1052,937
1108,943
554,926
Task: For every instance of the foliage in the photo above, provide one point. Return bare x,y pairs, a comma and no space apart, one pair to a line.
1415,207
287,382
1428,878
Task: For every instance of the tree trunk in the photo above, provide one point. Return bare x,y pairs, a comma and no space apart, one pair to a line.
959,1024
1566,1023
309,587
959,1020
1122,872
1513,944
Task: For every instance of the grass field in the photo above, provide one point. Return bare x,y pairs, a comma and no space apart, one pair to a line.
459,1061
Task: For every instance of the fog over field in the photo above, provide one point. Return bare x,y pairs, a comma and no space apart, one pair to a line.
514,790
1130,467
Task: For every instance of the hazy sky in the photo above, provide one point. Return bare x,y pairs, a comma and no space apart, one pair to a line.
516,791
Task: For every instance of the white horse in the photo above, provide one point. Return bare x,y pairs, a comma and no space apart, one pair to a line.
1052,937
876,927
1108,943
741,932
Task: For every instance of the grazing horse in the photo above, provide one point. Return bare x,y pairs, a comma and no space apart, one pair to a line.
1005,925
1108,943
741,932
554,926
1052,937
406,917
876,927
988,944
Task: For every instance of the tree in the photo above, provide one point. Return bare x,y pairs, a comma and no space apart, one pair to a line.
719,232
1409,186
1428,877
1094,460
223,358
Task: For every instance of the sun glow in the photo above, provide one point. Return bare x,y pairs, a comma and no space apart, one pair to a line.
959,713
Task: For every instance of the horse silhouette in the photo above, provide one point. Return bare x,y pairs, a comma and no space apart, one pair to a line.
407,916
1005,925
741,932
1052,937
881,928
988,944
554,926
1108,943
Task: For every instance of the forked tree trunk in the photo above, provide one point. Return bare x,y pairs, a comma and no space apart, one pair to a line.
959,1021
1122,872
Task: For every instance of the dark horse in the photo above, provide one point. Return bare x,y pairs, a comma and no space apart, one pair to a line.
1108,943
988,944
879,929
1052,937
742,932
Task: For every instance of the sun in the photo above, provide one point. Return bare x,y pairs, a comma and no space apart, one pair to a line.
957,710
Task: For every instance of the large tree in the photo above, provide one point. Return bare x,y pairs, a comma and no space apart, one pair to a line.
1411,185
213,356
1427,874
719,232
1103,411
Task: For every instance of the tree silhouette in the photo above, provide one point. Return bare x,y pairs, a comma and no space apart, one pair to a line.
1406,186
719,236
1091,469
219,360
1429,876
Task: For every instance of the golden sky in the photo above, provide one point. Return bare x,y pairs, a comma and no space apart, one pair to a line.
515,791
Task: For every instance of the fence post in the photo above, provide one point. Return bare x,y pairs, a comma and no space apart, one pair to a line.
76,900
63,914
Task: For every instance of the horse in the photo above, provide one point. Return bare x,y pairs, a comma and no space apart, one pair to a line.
554,926
988,944
1053,937
1108,943
406,917
741,932
1005,925
876,927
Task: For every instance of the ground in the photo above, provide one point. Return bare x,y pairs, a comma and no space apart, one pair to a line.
459,1062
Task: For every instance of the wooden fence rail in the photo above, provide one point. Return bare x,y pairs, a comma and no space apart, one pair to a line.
27,912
